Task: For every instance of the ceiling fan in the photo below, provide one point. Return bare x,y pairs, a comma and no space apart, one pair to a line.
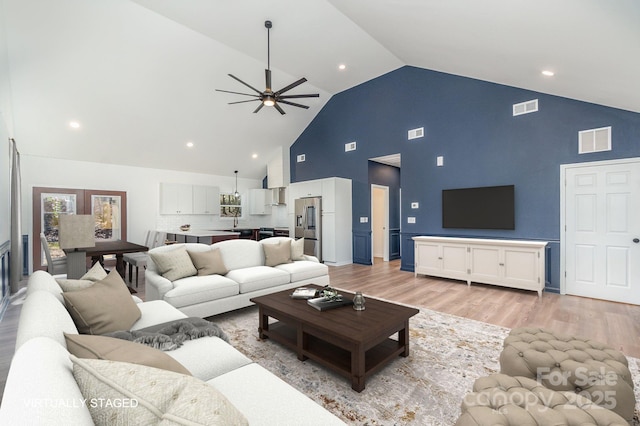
268,97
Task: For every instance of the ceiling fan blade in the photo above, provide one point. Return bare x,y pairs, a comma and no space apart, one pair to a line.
314,95
291,86
246,84
293,103
259,107
237,93
280,110
241,102
267,78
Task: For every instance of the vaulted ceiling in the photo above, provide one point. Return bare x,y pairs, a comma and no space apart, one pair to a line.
140,75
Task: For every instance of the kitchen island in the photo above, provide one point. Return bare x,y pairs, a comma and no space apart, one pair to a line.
205,236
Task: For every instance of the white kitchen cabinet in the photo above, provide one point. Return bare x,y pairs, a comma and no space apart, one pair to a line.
275,173
336,215
176,198
510,263
260,201
206,199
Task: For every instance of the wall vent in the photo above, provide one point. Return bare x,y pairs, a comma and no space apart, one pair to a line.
525,107
351,146
594,140
300,158
416,133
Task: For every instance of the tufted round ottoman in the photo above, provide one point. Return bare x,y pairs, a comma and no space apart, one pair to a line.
568,363
504,400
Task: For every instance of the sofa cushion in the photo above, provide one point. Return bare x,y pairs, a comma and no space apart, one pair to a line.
106,306
174,264
277,254
40,376
258,278
110,348
44,281
42,315
193,290
154,396
208,262
262,407
156,312
304,269
220,357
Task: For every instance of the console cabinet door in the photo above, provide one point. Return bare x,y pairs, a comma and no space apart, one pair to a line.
454,261
522,268
428,259
486,264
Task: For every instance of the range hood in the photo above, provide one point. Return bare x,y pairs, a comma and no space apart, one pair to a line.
278,196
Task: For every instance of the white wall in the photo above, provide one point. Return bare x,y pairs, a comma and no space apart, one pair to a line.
5,129
142,187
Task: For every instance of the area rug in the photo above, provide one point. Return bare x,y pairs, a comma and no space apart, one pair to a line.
448,354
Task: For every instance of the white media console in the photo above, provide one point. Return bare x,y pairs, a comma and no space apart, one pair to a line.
509,263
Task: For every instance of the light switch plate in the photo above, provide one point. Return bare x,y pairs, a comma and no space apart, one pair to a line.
364,219
415,205
440,161
411,219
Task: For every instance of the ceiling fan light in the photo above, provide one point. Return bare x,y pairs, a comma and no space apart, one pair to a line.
268,101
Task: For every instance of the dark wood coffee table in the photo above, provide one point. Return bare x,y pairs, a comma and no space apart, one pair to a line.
356,344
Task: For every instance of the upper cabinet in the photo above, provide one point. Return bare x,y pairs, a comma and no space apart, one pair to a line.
260,201
275,172
206,199
179,198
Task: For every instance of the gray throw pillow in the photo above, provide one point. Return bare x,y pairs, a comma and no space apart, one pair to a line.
174,264
208,262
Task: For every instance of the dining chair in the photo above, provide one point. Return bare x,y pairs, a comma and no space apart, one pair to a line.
139,259
54,266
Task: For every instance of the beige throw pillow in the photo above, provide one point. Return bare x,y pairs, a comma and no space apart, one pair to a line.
110,348
174,264
297,249
278,253
208,262
147,395
96,273
105,306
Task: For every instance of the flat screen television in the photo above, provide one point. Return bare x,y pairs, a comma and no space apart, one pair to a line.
488,207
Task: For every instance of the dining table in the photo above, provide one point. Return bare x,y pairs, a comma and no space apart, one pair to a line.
76,258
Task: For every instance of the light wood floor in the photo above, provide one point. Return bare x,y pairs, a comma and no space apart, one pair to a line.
616,324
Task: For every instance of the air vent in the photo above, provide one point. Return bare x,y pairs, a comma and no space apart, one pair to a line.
416,133
594,140
525,107
300,158
351,146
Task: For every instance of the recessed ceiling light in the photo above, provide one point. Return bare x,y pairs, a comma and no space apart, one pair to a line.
189,144
548,73
74,124
254,156
342,66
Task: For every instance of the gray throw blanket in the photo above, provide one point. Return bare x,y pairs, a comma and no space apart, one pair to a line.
170,335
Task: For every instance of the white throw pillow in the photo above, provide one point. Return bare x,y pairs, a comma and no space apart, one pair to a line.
123,393
297,249
174,264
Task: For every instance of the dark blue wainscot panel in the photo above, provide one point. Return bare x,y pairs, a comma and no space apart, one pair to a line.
362,247
407,263
394,243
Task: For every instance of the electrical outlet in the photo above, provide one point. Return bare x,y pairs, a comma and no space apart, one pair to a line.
415,205
411,219
364,219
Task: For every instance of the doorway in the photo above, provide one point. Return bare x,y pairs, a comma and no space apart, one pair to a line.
600,238
379,222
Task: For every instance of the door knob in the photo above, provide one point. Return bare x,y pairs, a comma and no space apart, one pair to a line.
636,240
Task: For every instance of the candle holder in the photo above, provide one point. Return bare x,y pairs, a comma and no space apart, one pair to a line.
358,301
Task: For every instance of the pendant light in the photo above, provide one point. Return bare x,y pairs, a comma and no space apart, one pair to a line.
236,194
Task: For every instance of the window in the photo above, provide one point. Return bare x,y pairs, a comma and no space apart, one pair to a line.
230,205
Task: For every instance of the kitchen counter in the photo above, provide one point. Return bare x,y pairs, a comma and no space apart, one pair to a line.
206,236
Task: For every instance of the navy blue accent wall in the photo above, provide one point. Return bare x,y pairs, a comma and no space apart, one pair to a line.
468,122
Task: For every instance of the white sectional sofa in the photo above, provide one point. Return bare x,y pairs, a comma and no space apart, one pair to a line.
41,387
247,277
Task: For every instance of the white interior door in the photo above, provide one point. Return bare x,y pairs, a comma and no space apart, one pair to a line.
380,222
601,243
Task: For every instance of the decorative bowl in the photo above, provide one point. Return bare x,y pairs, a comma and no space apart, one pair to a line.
185,227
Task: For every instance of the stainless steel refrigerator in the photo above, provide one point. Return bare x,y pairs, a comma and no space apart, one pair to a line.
309,224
